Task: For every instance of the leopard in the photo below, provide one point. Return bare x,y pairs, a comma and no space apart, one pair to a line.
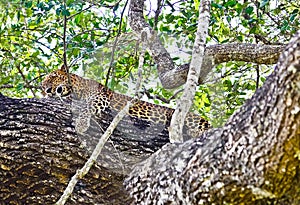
97,98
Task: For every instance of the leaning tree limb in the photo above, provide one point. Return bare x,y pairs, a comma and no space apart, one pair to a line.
253,159
172,76
185,101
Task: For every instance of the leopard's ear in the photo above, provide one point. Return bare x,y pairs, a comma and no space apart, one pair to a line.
63,68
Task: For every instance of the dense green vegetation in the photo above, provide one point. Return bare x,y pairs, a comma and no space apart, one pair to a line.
99,44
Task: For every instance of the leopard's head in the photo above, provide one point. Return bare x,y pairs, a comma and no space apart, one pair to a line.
56,84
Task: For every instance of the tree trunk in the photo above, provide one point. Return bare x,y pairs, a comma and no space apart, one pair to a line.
253,159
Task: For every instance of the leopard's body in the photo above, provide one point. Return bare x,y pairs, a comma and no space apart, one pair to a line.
98,98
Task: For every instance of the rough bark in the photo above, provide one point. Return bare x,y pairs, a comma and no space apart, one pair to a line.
253,159
172,76
40,151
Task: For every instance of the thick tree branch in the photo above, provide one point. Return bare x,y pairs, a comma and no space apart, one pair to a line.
254,158
255,53
172,76
158,51
40,151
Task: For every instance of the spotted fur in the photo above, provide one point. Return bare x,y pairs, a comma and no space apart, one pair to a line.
63,85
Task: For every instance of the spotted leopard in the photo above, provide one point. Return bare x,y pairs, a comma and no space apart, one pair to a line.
97,98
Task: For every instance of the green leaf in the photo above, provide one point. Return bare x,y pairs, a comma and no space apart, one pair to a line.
253,29
293,16
225,41
239,8
28,4
170,18
65,12
18,15
38,20
20,86
249,10
228,84
240,38
218,6
85,36
41,5
58,11
165,28
285,26
228,18
230,3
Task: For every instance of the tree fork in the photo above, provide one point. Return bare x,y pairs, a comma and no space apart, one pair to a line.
253,159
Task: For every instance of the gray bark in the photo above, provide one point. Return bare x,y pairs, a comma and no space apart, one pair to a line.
253,159
172,76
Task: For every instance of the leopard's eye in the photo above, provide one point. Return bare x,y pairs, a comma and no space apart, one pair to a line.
59,89
48,90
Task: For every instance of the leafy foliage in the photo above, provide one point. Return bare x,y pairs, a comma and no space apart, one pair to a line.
100,45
